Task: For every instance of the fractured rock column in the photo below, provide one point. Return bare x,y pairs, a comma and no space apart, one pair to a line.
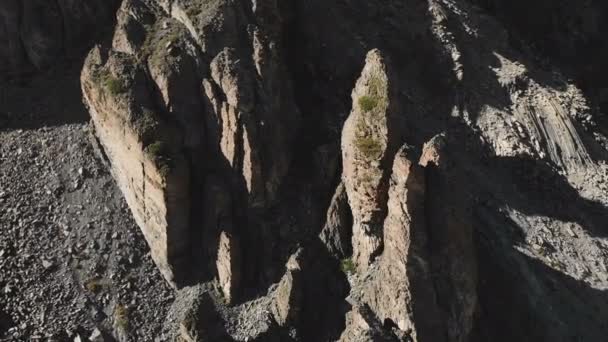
288,296
402,290
312,280
219,245
425,281
452,249
146,162
368,146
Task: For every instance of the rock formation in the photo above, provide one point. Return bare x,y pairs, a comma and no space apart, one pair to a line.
417,170
368,144
198,106
204,105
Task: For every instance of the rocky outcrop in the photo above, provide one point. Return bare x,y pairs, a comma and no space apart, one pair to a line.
337,231
369,139
363,326
402,289
288,295
424,284
197,105
207,103
152,174
229,266
312,280
35,34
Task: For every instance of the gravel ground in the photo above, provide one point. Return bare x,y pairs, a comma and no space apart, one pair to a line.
72,260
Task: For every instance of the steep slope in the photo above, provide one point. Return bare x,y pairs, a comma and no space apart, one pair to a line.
359,170
224,123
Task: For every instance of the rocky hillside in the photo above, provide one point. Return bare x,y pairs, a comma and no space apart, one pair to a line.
350,170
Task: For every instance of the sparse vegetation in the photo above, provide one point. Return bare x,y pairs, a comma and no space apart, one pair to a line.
109,82
159,152
156,149
369,146
156,49
374,104
114,85
368,103
95,285
121,316
348,266
194,10
376,100
146,126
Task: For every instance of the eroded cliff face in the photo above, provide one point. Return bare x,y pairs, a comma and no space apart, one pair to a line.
353,170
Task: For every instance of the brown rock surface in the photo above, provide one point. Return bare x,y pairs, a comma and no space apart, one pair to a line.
226,126
368,142
402,289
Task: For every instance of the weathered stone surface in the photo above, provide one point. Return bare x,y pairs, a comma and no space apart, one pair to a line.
401,290
337,231
228,265
217,77
194,316
218,100
288,296
363,326
151,172
312,280
130,33
368,144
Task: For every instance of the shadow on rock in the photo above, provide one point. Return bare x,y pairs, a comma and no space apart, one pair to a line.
526,300
534,187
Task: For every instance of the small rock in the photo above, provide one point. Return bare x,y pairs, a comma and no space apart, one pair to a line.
96,336
571,232
47,264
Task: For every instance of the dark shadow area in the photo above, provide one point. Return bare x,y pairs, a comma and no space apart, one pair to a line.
523,299
5,323
49,94
536,188
481,85
567,34
325,288
46,99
